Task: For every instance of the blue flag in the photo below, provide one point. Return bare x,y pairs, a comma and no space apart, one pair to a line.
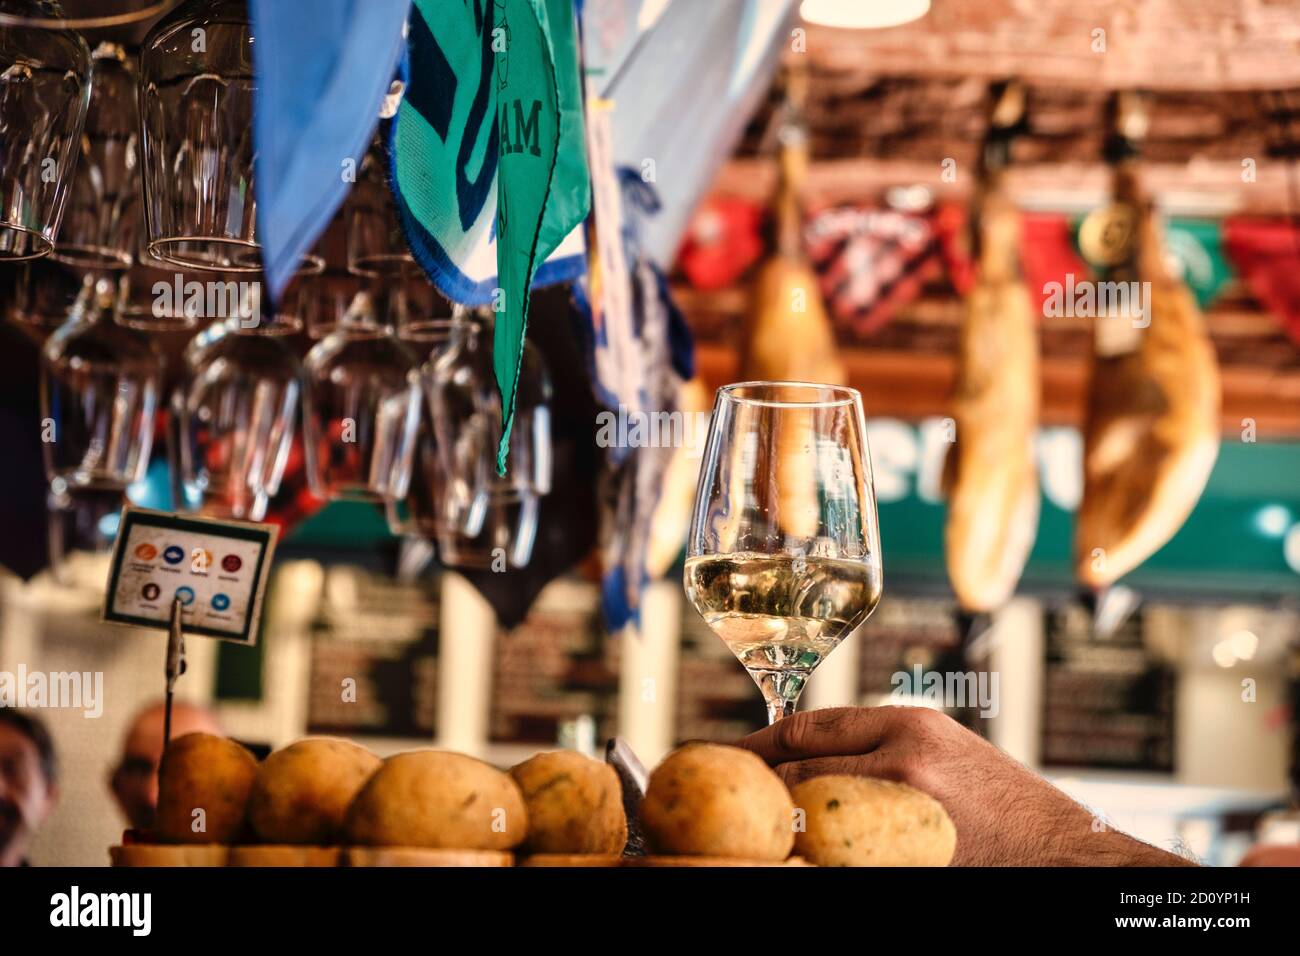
322,68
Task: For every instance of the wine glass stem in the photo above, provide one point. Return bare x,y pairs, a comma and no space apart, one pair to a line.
778,707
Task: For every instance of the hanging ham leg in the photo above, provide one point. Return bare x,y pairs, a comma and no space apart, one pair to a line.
990,473
1152,432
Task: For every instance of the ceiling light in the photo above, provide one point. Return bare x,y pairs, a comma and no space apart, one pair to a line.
1223,655
1244,644
863,14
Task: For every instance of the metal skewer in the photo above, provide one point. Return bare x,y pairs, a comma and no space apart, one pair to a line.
175,665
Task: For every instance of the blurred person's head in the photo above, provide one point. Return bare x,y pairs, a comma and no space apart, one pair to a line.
28,781
135,778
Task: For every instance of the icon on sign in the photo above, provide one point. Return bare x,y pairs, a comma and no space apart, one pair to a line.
231,563
186,595
151,590
200,560
220,602
146,552
173,555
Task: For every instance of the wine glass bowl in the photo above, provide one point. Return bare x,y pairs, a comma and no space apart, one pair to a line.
44,96
237,407
783,559
362,407
99,391
466,406
487,520
101,219
196,100
101,207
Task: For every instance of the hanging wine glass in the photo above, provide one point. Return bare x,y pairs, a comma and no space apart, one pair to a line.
99,228
197,81
423,512
467,413
44,95
103,228
97,233
236,407
99,393
364,394
488,519
462,393
362,408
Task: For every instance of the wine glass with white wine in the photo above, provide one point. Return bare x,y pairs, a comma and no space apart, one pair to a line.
783,560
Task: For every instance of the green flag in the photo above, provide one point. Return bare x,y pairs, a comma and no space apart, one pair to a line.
543,190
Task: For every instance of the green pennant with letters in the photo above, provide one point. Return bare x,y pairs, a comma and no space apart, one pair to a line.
543,190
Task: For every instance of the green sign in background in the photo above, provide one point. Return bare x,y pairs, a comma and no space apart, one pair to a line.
1231,546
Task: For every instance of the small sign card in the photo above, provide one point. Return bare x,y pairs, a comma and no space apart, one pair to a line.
217,569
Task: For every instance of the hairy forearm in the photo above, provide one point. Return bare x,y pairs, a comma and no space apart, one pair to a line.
1068,835
1022,820
1119,849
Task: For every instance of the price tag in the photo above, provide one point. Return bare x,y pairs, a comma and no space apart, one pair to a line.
217,569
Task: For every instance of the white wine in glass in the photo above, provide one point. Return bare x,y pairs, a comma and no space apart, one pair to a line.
783,559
